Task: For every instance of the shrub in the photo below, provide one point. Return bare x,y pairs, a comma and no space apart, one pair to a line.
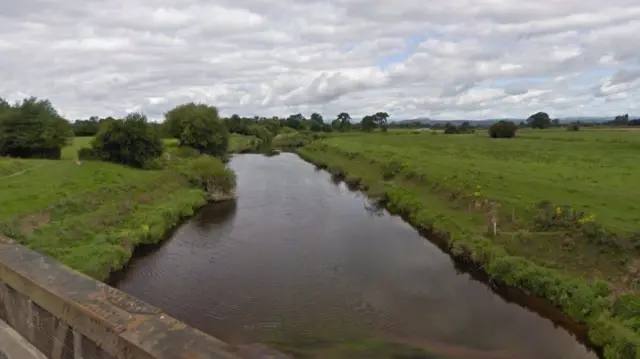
209,174
88,154
261,132
185,152
131,141
391,169
451,130
33,129
573,127
503,129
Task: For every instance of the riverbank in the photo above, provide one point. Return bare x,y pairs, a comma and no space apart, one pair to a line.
448,186
91,216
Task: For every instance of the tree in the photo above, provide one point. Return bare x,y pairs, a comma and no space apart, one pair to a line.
368,123
32,128
206,134
622,120
316,117
4,105
345,121
539,120
450,129
381,120
236,124
198,126
336,125
176,119
316,122
294,121
503,129
131,141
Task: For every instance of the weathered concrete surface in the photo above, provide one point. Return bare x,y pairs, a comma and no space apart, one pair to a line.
14,346
63,312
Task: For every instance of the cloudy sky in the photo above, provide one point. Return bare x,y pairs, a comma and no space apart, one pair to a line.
445,59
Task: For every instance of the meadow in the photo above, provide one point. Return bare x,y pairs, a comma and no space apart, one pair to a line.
92,215
237,144
565,206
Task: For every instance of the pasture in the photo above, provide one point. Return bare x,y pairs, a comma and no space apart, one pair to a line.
590,171
90,216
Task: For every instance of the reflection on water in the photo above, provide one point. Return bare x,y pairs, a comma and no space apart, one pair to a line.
300,260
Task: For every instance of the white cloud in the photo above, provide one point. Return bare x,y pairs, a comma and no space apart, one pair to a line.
444,59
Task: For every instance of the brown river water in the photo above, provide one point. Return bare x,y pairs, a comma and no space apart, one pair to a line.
299,255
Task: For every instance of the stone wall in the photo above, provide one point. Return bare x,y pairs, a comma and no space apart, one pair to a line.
67,315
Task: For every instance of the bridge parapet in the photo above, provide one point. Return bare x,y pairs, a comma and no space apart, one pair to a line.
67,315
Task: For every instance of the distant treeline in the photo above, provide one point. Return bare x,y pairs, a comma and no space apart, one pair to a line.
255,126
538,120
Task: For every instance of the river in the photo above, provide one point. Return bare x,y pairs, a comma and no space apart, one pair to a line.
302,261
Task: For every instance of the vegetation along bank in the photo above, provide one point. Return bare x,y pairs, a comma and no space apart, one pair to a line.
91,200
552,212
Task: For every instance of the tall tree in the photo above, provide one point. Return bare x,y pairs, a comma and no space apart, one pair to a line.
539,120
316,117
176,119
344,120
198,126
381,120
294,121
368,123
33,128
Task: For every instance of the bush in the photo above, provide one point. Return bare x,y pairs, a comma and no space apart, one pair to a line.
33,129
573,127
185,152
88,154
391,169
451,130
131,141
210,174
503,129
261,132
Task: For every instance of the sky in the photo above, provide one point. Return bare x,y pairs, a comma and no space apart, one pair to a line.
443,59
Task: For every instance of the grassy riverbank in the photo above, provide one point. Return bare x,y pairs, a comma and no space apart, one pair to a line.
565,205
91,216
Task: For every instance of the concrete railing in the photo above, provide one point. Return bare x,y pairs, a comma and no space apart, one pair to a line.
67,315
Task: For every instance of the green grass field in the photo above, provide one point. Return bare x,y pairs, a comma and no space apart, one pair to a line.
446,183
90,216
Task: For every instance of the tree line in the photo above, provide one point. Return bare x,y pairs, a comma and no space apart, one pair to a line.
33,128
255,126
